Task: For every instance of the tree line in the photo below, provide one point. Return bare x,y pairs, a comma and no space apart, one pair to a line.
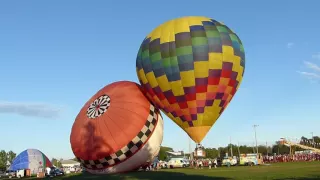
6,158
277,148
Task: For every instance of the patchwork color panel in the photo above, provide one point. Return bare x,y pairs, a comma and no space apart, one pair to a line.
191,68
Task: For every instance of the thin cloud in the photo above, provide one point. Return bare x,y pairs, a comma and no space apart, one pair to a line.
309,75
312,66
316,56
40,110
290,45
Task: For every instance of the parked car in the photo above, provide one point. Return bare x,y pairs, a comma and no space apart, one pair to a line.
163,164
56,172
2,174
8,174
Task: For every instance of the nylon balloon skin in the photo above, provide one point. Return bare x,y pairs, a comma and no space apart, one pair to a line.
191,68
116,125
32,159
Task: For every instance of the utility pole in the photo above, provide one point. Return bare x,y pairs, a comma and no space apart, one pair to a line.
313,140
267,147
231,148
255,135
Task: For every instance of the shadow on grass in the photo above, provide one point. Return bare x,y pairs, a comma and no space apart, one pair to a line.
161,175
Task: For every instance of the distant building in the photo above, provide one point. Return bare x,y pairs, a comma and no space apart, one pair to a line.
69,164
177,154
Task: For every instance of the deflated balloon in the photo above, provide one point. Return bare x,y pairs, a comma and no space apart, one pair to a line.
191,68
117,130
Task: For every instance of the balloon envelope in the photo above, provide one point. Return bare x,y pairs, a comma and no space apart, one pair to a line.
32,159
117,130
191,68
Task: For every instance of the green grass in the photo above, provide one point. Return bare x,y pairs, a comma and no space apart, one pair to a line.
279,171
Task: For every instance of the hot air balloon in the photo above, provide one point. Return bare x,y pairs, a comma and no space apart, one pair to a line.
191,68
117,130
30,159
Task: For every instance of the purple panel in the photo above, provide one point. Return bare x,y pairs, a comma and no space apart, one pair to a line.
190,90
215,73
200,109
209,102
201,81
168,94
219,95
234,75
181,98
227,65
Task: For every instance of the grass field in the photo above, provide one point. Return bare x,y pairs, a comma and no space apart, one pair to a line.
279,171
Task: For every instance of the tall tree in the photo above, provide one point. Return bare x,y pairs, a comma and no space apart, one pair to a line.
11,155
56,162
3,159
163,152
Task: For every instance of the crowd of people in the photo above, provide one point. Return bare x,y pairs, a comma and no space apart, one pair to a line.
291,158
200,163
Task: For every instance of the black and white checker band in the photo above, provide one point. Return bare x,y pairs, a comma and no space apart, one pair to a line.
130,149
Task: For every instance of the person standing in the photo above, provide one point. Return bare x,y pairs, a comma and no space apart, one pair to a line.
215,163
210,163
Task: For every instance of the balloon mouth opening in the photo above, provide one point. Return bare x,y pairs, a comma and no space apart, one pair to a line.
99,106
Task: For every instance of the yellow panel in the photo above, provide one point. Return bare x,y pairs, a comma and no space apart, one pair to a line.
196,21
199,119
176,120
240,74
187,78
142,76
224,81
201,96
163,83
177,88
192,104
212,88
167,33
215,60
152,79
227,50
237,60
228,58
180,26
201,69
156,33
216,103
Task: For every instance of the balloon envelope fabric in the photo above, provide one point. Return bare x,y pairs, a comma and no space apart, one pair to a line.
191,68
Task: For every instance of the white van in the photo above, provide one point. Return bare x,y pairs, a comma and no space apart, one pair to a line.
177,162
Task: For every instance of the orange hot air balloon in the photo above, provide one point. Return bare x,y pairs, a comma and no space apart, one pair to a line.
117,130
191,68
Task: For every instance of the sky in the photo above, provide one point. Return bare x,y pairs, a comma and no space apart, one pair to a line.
55,55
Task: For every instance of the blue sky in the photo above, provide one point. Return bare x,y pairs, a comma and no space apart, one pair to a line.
56,54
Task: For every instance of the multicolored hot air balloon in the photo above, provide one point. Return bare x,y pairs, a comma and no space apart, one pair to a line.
191,68
117,130
31,159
